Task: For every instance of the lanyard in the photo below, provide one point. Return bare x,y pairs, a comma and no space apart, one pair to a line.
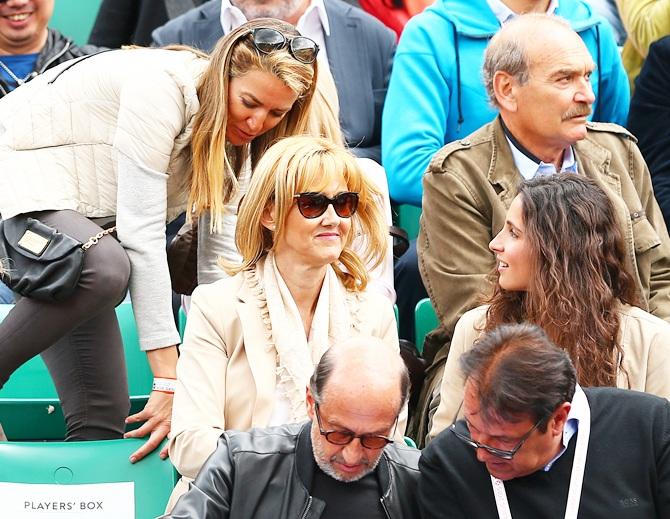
578,466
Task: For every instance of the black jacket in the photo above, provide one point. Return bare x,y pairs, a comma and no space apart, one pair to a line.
56,50
267,474
648,119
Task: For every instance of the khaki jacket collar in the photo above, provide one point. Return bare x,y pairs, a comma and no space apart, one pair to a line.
502,170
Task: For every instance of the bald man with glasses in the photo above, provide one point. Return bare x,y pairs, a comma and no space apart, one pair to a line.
343,462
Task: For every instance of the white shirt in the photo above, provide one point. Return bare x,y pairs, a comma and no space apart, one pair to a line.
313,23
577,412
505,14
530,169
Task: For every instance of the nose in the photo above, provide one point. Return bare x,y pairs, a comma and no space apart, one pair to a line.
256,122
330,217
352,453
585,93
496,243
482,455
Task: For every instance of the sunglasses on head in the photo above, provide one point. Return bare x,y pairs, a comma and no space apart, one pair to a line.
268,40
313,205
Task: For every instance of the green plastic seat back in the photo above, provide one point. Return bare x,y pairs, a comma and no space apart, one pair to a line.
75,18
408,218
29,405
73,463
425,320
181,324
140,378
397,318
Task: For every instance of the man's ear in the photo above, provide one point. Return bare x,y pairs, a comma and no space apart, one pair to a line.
559,418
505,88
268,217
309,402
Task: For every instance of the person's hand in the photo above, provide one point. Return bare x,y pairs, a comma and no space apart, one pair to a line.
157,416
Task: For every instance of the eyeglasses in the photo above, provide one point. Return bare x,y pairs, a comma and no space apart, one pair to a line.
267,40
369,441
313,205
500,453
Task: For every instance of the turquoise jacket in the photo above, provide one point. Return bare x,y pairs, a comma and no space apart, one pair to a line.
436,94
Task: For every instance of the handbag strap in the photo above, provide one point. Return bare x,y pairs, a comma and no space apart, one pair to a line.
93,240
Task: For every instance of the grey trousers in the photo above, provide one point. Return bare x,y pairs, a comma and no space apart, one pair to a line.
79,338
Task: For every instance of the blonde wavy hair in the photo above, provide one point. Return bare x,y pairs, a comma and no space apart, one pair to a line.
215,163
301,164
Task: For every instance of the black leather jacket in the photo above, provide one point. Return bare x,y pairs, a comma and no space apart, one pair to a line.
56,50
267,474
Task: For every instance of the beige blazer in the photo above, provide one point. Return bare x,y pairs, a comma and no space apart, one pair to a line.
645,340
226,374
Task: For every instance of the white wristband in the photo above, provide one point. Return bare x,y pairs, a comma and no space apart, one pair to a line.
165,385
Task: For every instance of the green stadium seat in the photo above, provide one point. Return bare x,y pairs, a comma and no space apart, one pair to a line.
75,18
425,320
409,442
29,405
181,322
83,463
408,218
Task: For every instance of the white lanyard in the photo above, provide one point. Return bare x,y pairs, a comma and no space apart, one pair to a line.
578,466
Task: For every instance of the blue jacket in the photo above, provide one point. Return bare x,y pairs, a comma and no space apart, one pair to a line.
436,94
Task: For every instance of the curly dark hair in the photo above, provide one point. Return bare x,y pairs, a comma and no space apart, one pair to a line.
579,274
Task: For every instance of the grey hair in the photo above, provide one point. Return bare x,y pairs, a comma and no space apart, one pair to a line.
507,51
326,367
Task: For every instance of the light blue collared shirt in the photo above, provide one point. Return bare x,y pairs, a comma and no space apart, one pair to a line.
578,411
505,14
530,169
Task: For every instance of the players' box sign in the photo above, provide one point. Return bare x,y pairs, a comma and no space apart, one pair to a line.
99,501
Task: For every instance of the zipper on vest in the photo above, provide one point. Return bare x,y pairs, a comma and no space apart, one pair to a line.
306,511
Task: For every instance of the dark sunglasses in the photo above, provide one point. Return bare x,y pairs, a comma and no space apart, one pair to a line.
464,436
313,205
268,40
369,441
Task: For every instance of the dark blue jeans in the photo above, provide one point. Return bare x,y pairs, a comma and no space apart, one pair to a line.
409,290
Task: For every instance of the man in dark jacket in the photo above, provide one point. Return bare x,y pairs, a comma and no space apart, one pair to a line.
648,119
343,463
534,444
27,46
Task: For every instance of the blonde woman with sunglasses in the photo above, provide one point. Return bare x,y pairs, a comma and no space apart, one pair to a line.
136,136
253,339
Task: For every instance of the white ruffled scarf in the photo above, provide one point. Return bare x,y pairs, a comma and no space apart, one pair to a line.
297,355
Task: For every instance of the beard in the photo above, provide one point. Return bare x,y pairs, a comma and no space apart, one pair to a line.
326,464
280,9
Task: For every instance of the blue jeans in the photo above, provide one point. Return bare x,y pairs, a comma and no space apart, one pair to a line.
409,289
6,295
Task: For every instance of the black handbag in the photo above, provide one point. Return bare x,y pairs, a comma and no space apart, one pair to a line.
40,262
182,257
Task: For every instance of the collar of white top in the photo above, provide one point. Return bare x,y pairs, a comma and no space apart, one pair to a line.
232,17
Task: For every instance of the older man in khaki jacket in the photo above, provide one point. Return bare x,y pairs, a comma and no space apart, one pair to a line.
537,73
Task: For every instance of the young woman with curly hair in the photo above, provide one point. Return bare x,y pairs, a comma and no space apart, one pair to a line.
561,265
